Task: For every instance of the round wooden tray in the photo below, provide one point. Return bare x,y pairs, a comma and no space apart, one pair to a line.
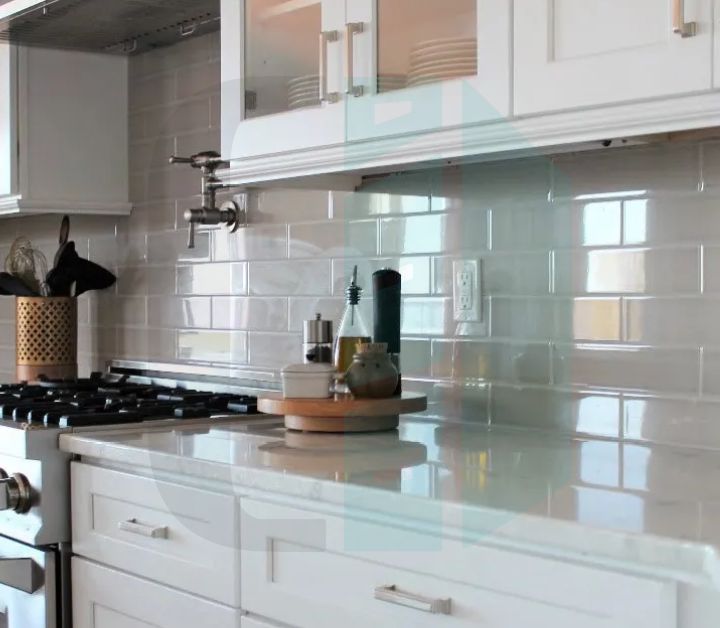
342,413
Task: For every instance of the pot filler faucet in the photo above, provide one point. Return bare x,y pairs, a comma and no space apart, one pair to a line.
231,214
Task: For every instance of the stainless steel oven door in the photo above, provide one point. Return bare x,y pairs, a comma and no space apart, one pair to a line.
28,583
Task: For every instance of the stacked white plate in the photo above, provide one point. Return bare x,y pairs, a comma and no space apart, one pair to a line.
442,59
390,82
304,91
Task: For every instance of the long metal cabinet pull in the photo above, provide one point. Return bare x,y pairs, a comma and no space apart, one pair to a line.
390,593
680,26
352,29
135,527
326,37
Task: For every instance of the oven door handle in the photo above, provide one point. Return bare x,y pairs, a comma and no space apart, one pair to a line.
23,574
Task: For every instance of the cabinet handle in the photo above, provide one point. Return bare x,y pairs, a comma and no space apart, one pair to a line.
352,29
390,593
135,527
680,26
326,37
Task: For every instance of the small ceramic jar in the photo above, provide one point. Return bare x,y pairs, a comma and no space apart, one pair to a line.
307,381
372,373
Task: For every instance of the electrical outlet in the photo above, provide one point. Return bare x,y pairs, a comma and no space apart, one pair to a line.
467,291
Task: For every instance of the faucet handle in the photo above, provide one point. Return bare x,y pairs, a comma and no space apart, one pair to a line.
193,217
208,161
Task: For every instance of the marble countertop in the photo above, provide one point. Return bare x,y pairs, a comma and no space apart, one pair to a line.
655,508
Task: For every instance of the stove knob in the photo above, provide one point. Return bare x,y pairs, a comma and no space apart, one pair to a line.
15,493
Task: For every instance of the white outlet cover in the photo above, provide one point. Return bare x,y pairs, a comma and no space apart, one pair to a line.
467,291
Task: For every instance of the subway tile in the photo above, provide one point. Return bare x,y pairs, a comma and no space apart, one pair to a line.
559,410
505,361
151,216
305,308
334,239
711,372
671,220
669,321
120,250
463,401
288,205
627,173
152,92
171,247
253,243
97,340
430,316
415,357
7,310
415,273
228,347
310,278
146,280
274,350
627,367
627,271
177,118
711,165
151,154
250,313
197,141
518,317
140,343
212,279
435,233
711,269
588,319
394,194
191,313
690,422
506,274
442,358
480,186
108,309
196,80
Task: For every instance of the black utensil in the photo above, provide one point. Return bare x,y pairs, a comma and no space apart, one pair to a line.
63,239
71,268
11,285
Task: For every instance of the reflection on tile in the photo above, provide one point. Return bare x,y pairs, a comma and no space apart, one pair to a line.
210,279
250,313
274,350
630,172
691,218
460,401
566,411
517,317
686,422
212,346
415,272
286,205
514,274
334,239
191,313
627,367
442,358
415,356
429,316
504,361
290,278
649,271
364,203
663,321
253,242
588,319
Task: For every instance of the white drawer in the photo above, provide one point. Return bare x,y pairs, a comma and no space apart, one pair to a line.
320,571
106,598
184,537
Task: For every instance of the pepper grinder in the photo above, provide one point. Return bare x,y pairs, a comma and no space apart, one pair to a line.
387,286
317,341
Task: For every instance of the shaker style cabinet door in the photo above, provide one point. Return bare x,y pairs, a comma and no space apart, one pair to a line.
424,65
281,76
571,53
8,154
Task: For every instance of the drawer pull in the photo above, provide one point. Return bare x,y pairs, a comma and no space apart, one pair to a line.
135,527
680,26
390,593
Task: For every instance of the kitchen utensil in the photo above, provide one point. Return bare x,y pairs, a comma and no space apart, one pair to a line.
11,285
317,340
387,288
71,268
63,239
307,381
28,264
372,374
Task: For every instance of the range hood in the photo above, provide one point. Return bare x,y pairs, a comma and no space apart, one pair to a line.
110,26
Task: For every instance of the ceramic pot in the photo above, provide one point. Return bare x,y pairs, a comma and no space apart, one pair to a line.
372,373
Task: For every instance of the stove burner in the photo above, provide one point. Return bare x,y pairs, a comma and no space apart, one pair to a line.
97,401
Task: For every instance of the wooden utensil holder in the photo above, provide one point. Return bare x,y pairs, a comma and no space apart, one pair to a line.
45,337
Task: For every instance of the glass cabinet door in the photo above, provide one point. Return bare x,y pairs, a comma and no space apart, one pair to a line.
281,79
426,64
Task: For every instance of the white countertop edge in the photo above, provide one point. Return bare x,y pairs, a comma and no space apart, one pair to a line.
690,562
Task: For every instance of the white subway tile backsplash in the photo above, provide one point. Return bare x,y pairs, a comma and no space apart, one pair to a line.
596,254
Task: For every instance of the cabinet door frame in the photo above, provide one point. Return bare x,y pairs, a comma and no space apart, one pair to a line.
544,83
244,138
485,97
9,158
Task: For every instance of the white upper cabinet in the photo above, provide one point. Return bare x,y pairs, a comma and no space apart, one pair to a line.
571,53
421,65
63,132
282,75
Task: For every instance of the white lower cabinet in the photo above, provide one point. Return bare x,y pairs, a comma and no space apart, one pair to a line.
106,598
